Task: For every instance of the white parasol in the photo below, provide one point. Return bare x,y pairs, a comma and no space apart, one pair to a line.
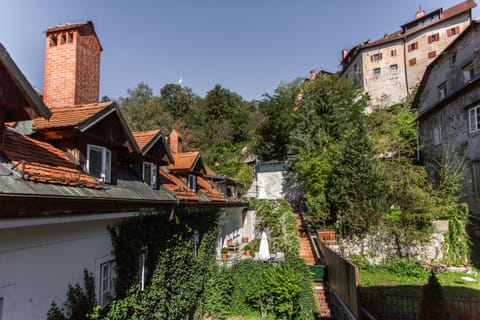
264,252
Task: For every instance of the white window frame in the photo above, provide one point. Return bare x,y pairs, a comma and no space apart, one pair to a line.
473,119
192,182
106,287
437,135
452,59
106,170
442,91
468,72
152,173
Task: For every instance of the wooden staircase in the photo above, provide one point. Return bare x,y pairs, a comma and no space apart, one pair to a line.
319,288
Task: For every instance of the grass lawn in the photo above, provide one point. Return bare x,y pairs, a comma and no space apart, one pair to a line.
382,280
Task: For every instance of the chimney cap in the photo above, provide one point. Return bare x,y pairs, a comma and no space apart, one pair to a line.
76,25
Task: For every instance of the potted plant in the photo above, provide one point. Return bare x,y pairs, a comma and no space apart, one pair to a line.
229,242
224,252
247,249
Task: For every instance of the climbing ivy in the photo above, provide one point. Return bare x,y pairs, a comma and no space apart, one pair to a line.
276,215
80,301
175,287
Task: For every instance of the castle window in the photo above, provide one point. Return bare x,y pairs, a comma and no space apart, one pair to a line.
377,71
433,38
63,38
376,57
453,31
393,53
413,46
437,135
53,41
412,62
442,91
432,54
70,37
474,119
394,67
468,72
453,59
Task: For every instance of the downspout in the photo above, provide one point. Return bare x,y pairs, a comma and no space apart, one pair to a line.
405,62
418,141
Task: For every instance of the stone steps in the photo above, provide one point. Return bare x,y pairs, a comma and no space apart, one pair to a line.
306,254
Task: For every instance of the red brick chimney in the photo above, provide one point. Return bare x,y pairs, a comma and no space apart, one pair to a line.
175,142
72,65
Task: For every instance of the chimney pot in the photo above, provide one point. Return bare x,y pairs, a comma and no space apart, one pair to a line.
420,13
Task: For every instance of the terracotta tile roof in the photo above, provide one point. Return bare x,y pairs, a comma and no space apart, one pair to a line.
184,161
209,172
69,116
459,8
177,186
208,190
40,161
143,138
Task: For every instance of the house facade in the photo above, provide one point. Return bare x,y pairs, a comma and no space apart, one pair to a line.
448,102
390,68
71,168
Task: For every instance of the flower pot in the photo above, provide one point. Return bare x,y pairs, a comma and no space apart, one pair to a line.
248,252
224,256
327,235
245,239
229,242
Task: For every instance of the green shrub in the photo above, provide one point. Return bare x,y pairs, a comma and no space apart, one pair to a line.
80,302
405,267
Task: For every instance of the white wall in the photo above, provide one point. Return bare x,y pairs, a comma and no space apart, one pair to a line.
38,262
235,223
275,185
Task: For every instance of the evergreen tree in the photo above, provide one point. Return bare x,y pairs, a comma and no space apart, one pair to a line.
143,111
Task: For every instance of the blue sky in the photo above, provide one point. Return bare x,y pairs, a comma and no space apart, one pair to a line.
247,46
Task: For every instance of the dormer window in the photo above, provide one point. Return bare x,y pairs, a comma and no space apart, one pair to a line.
192,182
99,161
468,72
150,174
